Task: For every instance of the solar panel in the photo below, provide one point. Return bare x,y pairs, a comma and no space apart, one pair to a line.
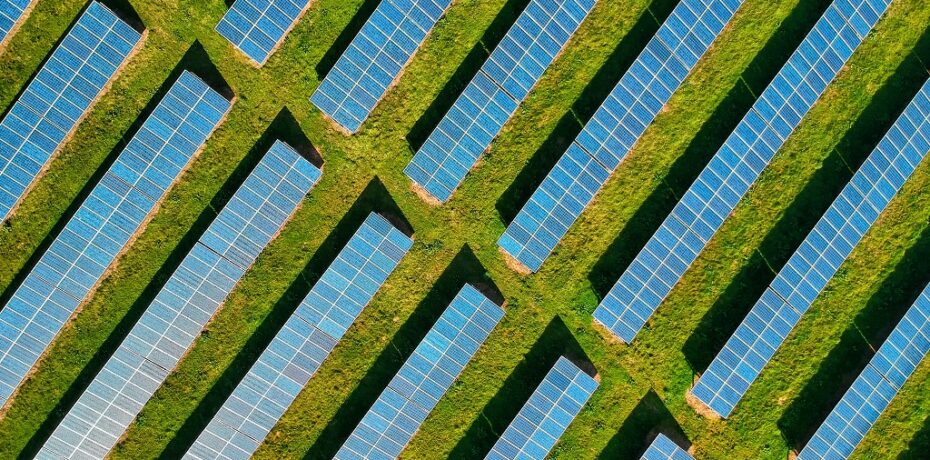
617,124
12,12
428,373
305,341
375,58
118,206
493,95
546,415
875,387
662,448
61,93
190,297
734,168
818,258
257,27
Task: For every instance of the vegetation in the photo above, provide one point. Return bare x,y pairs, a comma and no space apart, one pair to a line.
643,386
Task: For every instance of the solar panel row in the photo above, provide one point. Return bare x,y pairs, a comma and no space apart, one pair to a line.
257,27
189,298
663,448
818,258
305,341
424,378
375,58
11,13
102,227
859,409
493,95
613,130
736,166
62,92
547,414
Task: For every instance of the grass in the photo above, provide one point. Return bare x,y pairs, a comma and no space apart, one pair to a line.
643,385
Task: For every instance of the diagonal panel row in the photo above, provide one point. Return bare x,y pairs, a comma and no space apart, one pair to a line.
257,27
736,166
12,13
546,415
114,212
663,448
817,259
424,378
493,95
618,123
177,314
305,341
874,388
375,58
58,97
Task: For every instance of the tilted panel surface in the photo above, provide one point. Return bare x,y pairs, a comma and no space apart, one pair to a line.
642,91
736,166
817,259
60,94
305,341
257,27
104,224
11,13
190,297
662,448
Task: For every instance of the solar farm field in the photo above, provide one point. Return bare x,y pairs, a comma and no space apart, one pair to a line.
369,352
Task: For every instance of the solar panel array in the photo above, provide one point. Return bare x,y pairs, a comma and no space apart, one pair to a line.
11,12
305,341
895,362
615,127
426,375
493,95
375,59
257,27
818,258
546,415
58,97
662,448
102,227
734,168
181,309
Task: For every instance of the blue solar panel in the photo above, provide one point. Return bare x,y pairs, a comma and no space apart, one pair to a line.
257,27
616,125
11,13
61,93
102,227
662,448
305,341
876,386
375,58
428,373
546,415
733,169
492,97
189,298
818,258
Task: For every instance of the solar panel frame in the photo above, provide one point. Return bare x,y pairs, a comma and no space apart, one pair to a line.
304,342
261,17
424,378
12,14
191,296
375,59
875,387
547,413
615,127
734,168
663,448
503,82
103,226
817,259
59,96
